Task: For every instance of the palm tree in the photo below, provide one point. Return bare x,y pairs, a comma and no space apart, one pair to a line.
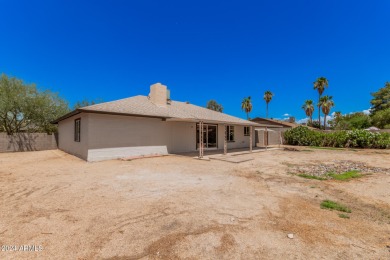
320,84
309,109
326,104
268,97
246,105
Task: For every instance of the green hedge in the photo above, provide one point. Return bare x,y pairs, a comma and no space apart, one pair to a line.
348,139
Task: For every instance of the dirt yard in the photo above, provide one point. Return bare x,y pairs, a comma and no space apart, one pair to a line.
177,207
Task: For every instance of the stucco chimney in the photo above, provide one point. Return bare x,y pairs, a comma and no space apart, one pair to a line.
159,94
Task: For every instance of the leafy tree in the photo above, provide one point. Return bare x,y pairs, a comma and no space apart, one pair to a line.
86,102
381,119
268,97
326,104
340,125
360,121
320,84
352,121
337,115
213,105
335,121
246,105
316,124
381,99
308,107
25,108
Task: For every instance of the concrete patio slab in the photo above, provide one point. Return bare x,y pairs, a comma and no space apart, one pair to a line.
232,159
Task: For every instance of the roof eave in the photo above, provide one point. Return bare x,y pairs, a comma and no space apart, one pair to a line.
82,110
70,114
121,114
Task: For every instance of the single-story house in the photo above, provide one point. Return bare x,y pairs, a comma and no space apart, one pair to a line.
149,125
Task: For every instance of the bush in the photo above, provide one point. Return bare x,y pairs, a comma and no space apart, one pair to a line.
381,118
352,121
315,124
328,204
343,139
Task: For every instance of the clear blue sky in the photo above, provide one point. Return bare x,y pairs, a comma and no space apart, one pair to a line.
223,50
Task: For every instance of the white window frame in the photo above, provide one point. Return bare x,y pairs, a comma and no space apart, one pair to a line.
247,130
230,133
77,130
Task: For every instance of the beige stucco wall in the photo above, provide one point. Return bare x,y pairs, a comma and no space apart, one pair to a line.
182,137
113,136
66,136
240,140
108,131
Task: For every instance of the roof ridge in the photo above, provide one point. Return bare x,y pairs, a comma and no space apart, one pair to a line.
91,106
215,112
141,105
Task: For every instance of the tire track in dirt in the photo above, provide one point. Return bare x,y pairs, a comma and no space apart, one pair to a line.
163,248
124,221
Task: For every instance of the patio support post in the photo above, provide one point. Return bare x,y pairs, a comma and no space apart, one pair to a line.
250,139
281,140
225,141
200,139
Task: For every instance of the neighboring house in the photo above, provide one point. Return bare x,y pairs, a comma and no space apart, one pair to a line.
276,125
148,125
372,129
272,134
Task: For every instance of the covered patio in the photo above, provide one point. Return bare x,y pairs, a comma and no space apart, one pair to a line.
226,136
212,135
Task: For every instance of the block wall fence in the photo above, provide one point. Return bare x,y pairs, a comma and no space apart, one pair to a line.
22,142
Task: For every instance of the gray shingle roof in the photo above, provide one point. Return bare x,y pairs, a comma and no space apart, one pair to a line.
181,111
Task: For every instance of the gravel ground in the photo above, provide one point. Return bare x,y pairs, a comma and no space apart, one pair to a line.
337,167
176,207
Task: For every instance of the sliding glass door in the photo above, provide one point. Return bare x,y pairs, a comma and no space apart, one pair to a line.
210,136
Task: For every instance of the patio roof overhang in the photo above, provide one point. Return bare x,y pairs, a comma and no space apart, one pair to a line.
268,126
206,121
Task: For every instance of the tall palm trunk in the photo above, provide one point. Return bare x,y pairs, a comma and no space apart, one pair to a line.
319,110
247,115
267,109
324,121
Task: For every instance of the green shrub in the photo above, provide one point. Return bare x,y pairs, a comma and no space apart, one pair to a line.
328,204
343,216
381,118
346,175
303,136
343,139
